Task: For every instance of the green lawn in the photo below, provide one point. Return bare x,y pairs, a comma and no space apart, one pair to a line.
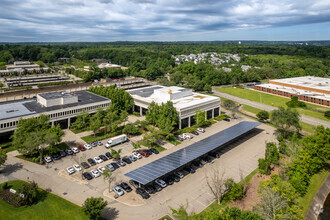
52,207
277,101
251,109
314,186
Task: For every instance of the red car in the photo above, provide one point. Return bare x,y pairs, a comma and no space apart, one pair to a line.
144,153
82,148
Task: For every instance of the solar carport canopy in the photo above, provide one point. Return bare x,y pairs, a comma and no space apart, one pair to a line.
175,160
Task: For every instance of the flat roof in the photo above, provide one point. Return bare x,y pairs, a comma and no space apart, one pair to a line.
55,95
295,91
322,83
147,94
177,159
26,107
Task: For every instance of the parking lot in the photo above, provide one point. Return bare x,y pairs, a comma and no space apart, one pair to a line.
237,160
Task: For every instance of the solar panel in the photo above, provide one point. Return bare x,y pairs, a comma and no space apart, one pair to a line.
173,161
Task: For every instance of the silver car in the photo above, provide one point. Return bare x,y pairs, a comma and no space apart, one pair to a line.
161,183
118,190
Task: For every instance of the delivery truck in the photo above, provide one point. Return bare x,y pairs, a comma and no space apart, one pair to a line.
116,140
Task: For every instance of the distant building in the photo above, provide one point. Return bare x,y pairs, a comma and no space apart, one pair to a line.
99,61
20,67
31,80
63,59
184,100
106,65
307,88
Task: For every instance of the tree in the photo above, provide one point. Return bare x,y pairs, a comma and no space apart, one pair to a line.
263,115
108,177
35,134
200,118
231,106
30,192
82,120
237,214
111,119
131,129
93,207
207,88
216,182
3,157
182,213
124,116
327,114
115,154
95,124
285,119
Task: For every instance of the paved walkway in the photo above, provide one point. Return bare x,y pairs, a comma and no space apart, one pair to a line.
304,118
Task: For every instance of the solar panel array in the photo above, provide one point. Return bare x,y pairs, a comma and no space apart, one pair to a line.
175,160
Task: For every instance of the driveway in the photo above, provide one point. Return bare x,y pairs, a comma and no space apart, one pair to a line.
304,118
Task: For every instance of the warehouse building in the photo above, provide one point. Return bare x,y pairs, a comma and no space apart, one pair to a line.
184,100
20,67
307,88
61,107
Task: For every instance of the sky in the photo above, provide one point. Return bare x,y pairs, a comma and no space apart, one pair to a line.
163,20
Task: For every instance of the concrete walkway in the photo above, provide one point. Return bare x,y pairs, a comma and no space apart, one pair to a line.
304,118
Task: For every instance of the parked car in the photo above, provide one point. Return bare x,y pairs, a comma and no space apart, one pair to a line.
102,157
157,187
142,193
56,156
176,178
132,158
70,170
98,160
187,136
108,155
93,144
95,173
85,165
206,159
62,153
82,148
121,163
181,136
48,159
189,169
91,161
99,143
134,183
201,130
127,160
75,150
87,146
214,154
115,165
110,167
69,152
227,119
178,174
180,139
153,150
160,182
196,163
118,191
77,167
125,187
144,153
149,189
101,169
137,155
195,132
87,176
169,180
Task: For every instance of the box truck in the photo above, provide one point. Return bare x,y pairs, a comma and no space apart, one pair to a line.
116,140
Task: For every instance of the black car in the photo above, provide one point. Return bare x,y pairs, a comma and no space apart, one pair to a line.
149,151
169,180
149,189
180,139
153,150
126,187
62,153
104,158
214,154
85,165
189,169
195,132
69,152
108,155
206,159
142,193
56,156
226,119
91,162
197,163
134,183
176,178
115,165
127,160
157,187
87,176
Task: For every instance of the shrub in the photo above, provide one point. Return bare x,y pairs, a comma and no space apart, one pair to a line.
264,166
131,129
234,190
327,114
283,149
271,153
295,103
263,115
30,192
221,117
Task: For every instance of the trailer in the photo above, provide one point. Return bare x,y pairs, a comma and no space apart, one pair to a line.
116,140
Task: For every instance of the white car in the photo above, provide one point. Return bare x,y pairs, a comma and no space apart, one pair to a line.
48,159
201,130
186,135
98,160
136,155
161,183
77,167
75,150
118,190
101,169
107,145
87,146
95,173
70,170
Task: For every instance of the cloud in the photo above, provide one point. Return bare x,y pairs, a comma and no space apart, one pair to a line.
109,20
